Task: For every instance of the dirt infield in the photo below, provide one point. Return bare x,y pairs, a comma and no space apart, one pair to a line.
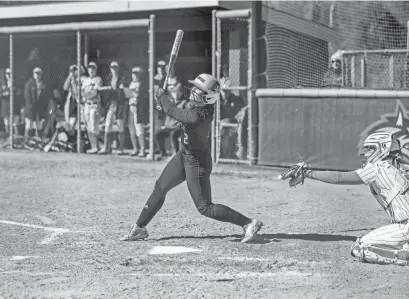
62,215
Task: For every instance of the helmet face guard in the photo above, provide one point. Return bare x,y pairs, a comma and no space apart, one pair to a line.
207,99
378,146
209,87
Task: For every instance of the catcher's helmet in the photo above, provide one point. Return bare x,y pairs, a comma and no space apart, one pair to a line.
378,146
206,89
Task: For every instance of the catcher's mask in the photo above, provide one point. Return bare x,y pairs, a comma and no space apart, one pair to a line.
379,146
205,89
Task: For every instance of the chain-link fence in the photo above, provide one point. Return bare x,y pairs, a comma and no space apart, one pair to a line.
98,75
304,40
233,67
376,69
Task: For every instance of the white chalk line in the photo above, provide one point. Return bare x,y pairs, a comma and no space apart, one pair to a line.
27,273
55,232
19,257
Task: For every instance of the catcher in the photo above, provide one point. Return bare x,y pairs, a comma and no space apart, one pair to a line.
383,169
192,163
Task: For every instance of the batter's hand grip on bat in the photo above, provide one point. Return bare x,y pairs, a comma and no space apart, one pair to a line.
172,60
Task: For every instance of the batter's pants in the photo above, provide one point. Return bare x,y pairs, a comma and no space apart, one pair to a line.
195,170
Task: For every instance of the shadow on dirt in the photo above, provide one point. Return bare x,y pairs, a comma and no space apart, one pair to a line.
268,238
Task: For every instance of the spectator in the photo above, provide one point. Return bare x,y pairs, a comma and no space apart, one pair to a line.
55,113
71,85
172,129
230,105
92,107
158,83
138,113
116,111
36,100
5,103
175,88
333,77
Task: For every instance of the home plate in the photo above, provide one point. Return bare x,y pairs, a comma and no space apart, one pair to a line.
171,250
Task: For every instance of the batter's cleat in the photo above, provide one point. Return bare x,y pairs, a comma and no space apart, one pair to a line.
251,230
136,233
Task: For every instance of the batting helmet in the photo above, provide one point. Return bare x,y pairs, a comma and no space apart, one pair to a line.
209,87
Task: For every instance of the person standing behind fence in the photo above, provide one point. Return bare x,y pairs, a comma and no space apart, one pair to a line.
92,108
71,105
158,83
333,77
136,119
36,100
116,111
5,103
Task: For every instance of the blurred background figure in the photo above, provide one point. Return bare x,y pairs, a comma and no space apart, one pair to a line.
92,108
172,129
138,114
36,97
230,105
73,100
116,111
333,77
55,113
5,103
159,78
175,88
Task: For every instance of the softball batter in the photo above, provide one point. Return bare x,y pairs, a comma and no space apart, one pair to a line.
193,162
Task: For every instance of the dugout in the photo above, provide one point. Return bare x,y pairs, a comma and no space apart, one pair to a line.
54,52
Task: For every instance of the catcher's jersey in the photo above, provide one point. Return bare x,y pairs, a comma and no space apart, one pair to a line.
389,186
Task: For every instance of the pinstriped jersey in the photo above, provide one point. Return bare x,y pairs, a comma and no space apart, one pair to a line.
389,187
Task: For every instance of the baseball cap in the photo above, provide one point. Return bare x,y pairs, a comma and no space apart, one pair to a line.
37,70
161,63
137,69
114,64
92,64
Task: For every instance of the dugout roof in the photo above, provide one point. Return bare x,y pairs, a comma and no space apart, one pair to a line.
19,10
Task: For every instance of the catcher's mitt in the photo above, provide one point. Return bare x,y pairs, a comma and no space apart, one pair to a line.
296,173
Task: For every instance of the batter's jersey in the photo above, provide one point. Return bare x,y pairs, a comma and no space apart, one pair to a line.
388,185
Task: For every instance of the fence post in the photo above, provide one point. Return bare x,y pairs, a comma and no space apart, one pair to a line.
86,49
79,145
254,70
151,86
213,144
363,71
11,89
218,67
391,72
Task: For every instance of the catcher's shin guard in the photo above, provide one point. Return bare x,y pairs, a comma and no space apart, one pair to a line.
384,256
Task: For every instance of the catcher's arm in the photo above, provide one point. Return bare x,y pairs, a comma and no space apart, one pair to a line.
299,172
336,177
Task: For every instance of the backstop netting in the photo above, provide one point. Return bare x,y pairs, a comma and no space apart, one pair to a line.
302,36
